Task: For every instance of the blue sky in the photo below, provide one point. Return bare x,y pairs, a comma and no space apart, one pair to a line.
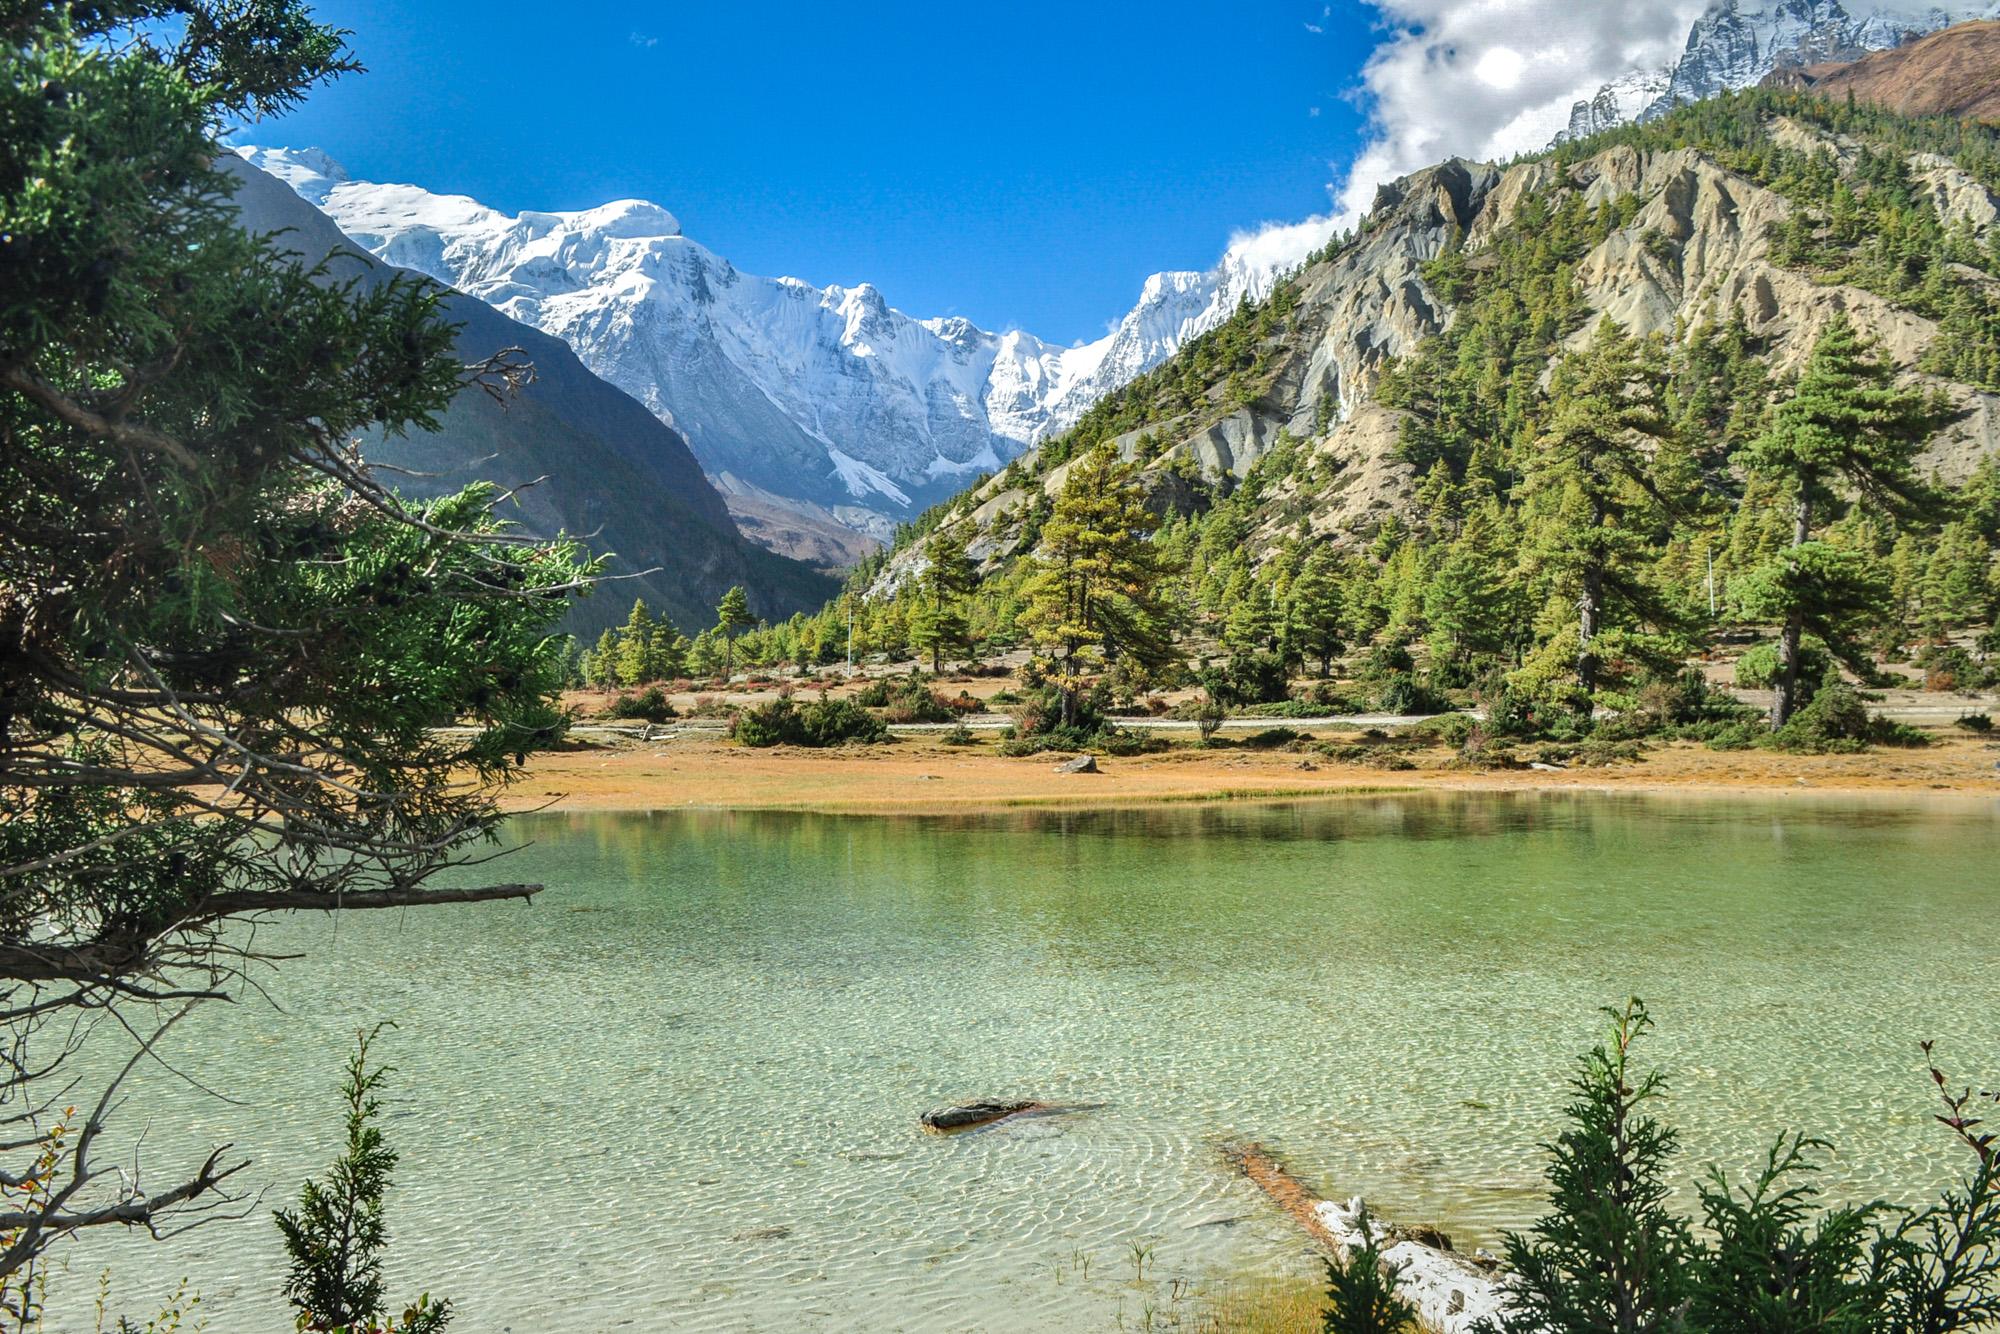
1023,166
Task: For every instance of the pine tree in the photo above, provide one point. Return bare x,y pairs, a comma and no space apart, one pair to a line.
635,647
1361,1296
1846,424
947,576
1595,480
601,663
1093,586
668,652
732,617
1955,582
1316,610
1469,606
336,1237
1609,1257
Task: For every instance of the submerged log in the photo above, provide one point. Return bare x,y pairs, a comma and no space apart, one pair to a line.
1452,1292
968,1114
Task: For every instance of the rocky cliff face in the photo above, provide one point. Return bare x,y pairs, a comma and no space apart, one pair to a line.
1697,249
1737,44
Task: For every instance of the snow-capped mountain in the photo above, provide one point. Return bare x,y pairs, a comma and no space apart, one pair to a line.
1735,43
828,401
1616,103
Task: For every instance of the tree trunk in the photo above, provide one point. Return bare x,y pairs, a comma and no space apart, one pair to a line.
1590,613
1785,689
1068,688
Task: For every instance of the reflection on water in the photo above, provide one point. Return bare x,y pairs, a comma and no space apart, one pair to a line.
681,1090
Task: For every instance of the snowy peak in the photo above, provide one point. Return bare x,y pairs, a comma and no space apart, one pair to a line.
831,400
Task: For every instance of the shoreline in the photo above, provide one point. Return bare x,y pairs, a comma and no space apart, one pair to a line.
695,769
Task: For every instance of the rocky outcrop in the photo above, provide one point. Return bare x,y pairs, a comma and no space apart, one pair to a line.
1737,43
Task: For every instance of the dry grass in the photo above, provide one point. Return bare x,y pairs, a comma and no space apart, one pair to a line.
1290,1307
917,774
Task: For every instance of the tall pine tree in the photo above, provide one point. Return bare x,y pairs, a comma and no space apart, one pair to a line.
1846,425
1092,592
1597,482
940,622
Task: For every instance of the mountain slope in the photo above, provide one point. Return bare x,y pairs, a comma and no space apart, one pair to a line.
829,402
1323,410
614,470
1736,44
1955,72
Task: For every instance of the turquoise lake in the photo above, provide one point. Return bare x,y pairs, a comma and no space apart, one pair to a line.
680,1091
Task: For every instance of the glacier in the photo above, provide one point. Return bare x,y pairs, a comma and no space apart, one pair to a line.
828,400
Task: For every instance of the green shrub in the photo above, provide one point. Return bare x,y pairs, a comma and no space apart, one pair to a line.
1316,704
1735,736
1450,728
1882,732
1361,1295
1975,722
1610,1253
336,1237
1271,738
651,706
1836,721
1123,741
1403,694
960,735
915,702
824,722
874,695
1388,658
1949,667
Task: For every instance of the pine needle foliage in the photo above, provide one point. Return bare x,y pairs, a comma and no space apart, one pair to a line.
336,1237
1610,1257
1361,1296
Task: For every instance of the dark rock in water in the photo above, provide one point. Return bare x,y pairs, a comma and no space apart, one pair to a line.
764,1234
974,1113
1082,764
1424,1235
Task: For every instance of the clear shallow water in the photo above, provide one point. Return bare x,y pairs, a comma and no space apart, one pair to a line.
680,1091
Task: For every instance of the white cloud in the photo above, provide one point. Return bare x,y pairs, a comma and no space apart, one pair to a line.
1492,78
1501,67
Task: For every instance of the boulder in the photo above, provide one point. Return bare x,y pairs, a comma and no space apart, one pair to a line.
1082,764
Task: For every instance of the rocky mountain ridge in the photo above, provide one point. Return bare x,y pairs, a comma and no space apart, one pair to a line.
1953,72
824,408
1698,247
1737,44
